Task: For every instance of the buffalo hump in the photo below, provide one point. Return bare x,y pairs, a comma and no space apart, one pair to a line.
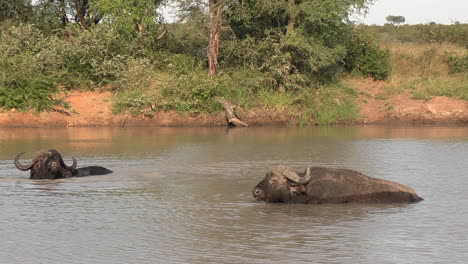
348,186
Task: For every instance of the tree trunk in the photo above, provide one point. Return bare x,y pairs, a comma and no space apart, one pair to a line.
63,13
81,9
289,30
214,31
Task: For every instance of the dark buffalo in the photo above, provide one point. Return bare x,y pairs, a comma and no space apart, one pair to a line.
49,164
319,185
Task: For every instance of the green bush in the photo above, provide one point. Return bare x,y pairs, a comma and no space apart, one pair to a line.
91,57
33,65
332,104
457,63
366,57
137,88
192,93
180,64
26,81
28,93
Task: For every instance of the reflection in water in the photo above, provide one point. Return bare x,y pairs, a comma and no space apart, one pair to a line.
183,196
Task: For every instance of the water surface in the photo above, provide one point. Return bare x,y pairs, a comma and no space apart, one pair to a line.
182,195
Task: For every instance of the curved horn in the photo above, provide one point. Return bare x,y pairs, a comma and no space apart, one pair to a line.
294,177
24,167
73,166
288,174
307,175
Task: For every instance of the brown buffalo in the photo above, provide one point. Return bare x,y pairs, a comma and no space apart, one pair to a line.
49,164
319,185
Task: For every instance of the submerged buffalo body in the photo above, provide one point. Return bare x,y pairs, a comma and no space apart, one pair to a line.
319,185
90,171
49,164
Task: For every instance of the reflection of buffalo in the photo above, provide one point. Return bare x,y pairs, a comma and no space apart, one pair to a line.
318,185
48,164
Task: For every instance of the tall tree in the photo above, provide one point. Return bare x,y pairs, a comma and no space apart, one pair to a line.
396,20
214,28
212,12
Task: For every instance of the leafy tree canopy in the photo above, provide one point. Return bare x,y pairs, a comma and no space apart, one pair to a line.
396,20
307,39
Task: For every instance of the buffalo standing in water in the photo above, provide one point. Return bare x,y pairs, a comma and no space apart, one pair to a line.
319,185
49,164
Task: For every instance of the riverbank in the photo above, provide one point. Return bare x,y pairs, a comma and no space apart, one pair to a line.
94,109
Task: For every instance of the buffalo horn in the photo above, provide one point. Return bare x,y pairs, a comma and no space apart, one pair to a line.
73,166
24,167
307,175
294,177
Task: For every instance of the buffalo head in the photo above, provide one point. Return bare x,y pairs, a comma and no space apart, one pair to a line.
282,185
47,164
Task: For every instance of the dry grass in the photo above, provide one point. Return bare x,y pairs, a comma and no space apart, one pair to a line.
422,71
421,60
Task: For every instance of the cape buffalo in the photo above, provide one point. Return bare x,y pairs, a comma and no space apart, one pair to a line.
49,164
319,185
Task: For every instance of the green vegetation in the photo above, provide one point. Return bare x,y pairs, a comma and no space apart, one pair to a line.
26,81
457,64
283,57
367,58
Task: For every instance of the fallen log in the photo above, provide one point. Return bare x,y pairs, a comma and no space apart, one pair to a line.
231,117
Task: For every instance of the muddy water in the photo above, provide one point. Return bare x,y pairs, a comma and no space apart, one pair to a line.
182,195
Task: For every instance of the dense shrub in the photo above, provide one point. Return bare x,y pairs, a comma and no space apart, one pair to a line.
28,93
26,80
91,57
365,56
457,63
137,88
33,64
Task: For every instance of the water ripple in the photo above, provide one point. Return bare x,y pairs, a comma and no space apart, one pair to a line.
188,201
